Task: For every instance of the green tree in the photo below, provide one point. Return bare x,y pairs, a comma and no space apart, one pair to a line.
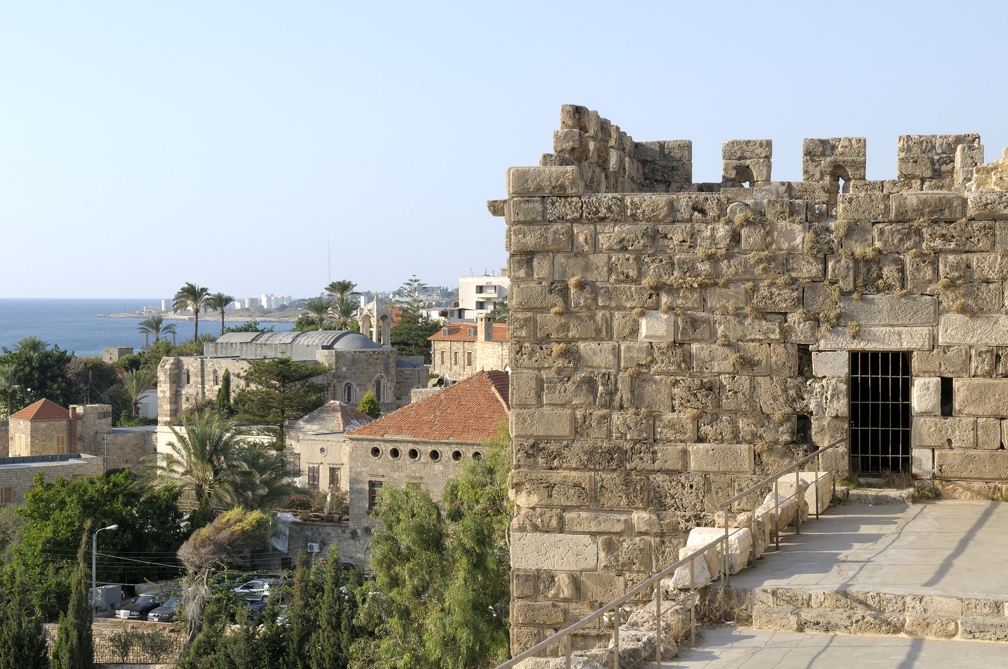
74,646
8,384
249,326
219,302
91,381
413,296
319,307
223,401
39,372
344,312
149,522
499,314
191,296
261,478
410,336
202,460
369,405
134,384
22,637
281,390
341,289
442,572
302,616
155,325
331,643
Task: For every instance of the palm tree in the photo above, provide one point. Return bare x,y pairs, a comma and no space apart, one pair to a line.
344,311
262,478
191,296
155,325
8,384
135,382
219,302
319,308
341,289
32,345
202,461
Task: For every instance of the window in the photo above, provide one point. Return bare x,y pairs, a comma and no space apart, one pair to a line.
468,358
7,495
455,357
313,477
373,487
442,357
334,473
377,390
480,304
187,379
216,378
472,332
880,411
348,394
61,444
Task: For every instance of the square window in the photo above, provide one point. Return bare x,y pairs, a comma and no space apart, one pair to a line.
313,476
374,487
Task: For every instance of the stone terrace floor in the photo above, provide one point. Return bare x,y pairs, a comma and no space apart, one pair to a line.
948,547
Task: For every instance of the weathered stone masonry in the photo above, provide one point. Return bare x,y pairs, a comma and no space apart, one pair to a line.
672,341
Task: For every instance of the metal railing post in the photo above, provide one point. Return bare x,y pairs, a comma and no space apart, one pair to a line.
693,603
567,648
615,637
658,635
776,503
797,487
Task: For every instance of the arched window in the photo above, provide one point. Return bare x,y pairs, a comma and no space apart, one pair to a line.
378,389
348,394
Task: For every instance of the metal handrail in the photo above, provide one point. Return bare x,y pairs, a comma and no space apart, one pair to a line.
566,633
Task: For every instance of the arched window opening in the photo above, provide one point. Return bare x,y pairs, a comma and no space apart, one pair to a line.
378,389
348,394
744,177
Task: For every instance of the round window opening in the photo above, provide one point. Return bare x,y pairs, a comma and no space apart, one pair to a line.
435,456
477,455
375,452
456,455
394,453
413,454
322,450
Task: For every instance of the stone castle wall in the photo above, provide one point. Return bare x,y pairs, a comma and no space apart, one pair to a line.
672,342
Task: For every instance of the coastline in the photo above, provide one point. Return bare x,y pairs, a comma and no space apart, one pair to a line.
228,317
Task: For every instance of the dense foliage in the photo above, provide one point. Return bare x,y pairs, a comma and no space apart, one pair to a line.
22,643
149,523
410,336
281,390
369,405
34,370
74,645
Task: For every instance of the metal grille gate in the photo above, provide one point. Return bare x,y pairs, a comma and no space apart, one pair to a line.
880,411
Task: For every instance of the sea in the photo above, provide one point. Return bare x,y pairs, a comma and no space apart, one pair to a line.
78,325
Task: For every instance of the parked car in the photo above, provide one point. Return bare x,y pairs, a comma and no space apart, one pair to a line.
138,607
166,612
254,591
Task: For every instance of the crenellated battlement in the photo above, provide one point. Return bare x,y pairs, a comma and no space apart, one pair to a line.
608,160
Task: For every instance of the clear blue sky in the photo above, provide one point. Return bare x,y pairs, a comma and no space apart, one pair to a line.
228,143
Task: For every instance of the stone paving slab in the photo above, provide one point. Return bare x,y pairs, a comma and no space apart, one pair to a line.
733,648
947,547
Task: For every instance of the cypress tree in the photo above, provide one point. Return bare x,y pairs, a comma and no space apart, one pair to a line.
223,401
74,647
22,637
330,644
369,405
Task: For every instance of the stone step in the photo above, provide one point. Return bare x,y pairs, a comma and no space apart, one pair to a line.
879,613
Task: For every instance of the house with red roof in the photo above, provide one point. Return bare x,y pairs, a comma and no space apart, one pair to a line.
42,428
319,441
426,442
459,350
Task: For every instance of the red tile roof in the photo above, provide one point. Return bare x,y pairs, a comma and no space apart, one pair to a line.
43,410
467,411
460,332
332,417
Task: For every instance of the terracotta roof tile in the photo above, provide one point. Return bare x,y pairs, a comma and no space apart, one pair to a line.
43,410
332,417
460,332
467,411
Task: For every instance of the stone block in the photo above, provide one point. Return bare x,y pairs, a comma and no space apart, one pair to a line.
984,629
922,462
712,359
926,396
830,363
944,432
624,554
959,237
927,205
525,612
878,339
988,434
959,329
531,181
563,552
661,457
609,208
693,574
973,464
695,327
590,326
547,423
980,397
987,205
598,355
866,207
587,267
891,310
627,237
739,547
525,388
721,458
528,295
948,361
675,427
742,328
656,326
540,238
743,149
651,208
597,522
524,210
551,489
818,488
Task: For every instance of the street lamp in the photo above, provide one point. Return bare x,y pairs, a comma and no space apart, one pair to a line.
94,566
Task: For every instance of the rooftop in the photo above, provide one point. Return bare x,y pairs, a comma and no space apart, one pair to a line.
42,410
332,417
461,332
468,411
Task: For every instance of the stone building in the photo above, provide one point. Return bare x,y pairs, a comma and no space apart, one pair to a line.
42,428
319,441
459,350
671,341
357,365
